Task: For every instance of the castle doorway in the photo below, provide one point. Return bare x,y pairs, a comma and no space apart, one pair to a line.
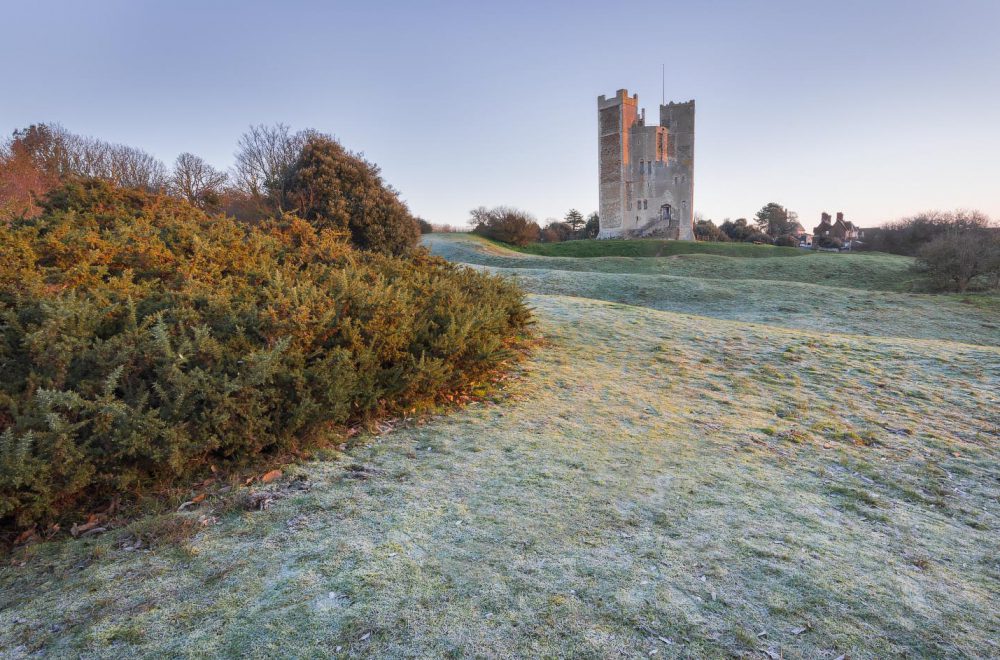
665,213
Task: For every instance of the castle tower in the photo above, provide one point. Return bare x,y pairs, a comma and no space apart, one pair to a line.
646,172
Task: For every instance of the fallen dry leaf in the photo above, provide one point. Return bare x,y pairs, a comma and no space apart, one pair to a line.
24,536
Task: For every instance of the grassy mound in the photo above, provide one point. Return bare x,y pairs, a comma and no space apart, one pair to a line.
651,247
142,341
869,271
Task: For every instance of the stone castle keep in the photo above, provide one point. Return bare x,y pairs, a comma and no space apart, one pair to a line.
646,172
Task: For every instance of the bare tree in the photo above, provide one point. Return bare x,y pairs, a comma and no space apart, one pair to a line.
264,155
196,181
35,159
134,168
965,252
505,224
122,165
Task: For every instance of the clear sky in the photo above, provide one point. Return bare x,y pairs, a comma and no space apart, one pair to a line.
878,108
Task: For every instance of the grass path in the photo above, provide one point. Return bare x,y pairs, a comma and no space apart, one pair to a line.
656,483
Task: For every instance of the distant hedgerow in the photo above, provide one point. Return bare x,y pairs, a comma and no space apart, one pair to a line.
141,338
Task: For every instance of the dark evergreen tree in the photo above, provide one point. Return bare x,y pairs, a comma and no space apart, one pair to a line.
774,220
574,219
335,189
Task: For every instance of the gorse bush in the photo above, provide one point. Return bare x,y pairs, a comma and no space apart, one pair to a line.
141,340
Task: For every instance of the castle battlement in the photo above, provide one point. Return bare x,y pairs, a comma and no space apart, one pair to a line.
621,97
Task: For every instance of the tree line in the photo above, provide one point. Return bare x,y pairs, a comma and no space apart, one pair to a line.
276,171
954,249
773,224
511,225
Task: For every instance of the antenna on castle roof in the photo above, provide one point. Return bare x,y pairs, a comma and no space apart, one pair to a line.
663,84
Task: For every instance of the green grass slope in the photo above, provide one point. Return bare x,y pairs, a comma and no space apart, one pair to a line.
651,247
823,293
785,304
660,483
882,272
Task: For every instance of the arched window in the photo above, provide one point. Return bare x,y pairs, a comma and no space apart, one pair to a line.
645,204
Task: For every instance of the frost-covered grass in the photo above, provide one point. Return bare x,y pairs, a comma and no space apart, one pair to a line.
653,247
875,271
654,481
785,304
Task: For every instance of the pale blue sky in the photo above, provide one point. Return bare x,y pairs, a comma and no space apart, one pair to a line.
877,108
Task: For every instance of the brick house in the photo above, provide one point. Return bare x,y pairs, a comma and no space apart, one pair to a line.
844,230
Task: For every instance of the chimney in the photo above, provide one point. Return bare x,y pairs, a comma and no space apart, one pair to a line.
840,217
825,217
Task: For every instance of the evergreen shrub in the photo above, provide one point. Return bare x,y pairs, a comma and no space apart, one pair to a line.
142,340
